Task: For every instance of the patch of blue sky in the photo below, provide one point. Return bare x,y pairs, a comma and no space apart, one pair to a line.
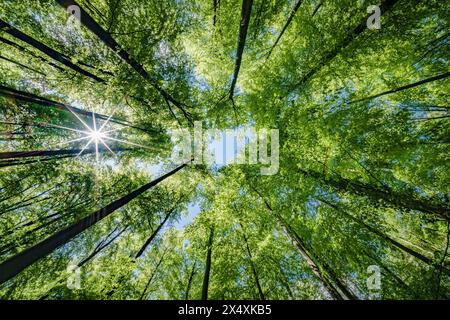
193,210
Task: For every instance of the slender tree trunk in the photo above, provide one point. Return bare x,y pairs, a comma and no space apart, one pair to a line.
10,163
252,265
40,153
21,65
16,264
286,25
102,245
389,272
245,21
385,6
153,275
23,49
283,278
382,235
99,248
374,194
215,12
307,255
316,9
153,235
32,98
52,153
188,287
46,50
207,266
406,87
109,41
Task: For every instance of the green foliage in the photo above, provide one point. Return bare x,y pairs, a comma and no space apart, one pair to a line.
363,180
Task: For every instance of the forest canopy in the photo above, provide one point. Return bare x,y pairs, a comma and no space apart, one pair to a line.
354,98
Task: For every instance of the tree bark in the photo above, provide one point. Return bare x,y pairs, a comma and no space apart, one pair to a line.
252,265
408,86
245,20
16,264
46,50
154,234
374,194
111,43
385,5
153,275
23,49
188,287
32,98
10,163
382,235
102,245
308,256
286,25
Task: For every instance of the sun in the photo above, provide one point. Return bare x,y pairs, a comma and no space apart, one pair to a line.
97,136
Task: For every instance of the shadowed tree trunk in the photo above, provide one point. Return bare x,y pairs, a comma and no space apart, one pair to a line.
21,65
31,53
32,98
310,258
98,248
283,278
215,5
111,43
154,234
10,163
316,9
374,194
252,265
243,28
46,50
207,266
101,245
51,153
41,153
408,86
153,275
16,264
286,25
382,235
385,5
191,276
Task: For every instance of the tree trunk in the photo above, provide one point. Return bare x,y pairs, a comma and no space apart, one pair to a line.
283,278
23,49
102,245
243,28
374,194
109,41
153,275
286,25
308,256
10,163
46,50
40,153
207,266
408,86
32,98
188,287
385,5
153,235
16,264
382,235
252,265
21,65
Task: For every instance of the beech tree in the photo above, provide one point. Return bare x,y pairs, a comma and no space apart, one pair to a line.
94,206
